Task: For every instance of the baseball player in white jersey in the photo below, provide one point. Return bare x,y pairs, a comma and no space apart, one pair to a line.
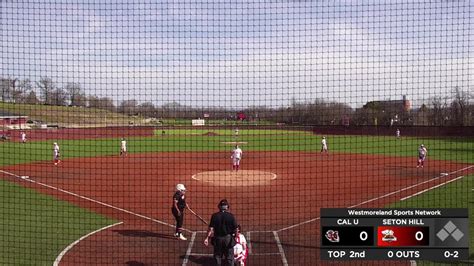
56,154
123,147
397,133
422,152
324,145
23,137
236,157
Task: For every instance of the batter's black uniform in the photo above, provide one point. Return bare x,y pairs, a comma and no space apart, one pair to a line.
179,197
224,225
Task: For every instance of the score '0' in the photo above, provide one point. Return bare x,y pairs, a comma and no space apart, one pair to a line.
363,235
419,235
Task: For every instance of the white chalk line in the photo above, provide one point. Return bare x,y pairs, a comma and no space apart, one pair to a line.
431,188
190,248
66,250
94,201
378,198
249,243
280,248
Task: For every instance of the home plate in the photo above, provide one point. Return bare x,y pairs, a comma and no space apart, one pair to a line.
444,174
24,177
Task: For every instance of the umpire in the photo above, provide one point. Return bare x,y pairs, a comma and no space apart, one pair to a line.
222,229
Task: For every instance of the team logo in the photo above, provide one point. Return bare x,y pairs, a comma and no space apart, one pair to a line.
388,236
332,236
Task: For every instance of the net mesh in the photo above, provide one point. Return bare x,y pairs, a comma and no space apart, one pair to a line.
106,107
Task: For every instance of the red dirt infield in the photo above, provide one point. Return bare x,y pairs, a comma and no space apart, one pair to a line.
279,218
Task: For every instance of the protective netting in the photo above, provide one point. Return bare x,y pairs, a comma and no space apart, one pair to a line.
107,106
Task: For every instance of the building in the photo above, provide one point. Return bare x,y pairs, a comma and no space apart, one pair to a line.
12,120
391,106
388,112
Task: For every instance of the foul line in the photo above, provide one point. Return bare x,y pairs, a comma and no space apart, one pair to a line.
66,250
93,200
428,189
190,248
280,248
380,197
249,244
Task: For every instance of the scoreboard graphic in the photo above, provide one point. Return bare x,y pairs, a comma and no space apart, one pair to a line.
395,234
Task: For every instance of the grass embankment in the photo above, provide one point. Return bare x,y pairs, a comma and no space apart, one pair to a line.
70,116
35,228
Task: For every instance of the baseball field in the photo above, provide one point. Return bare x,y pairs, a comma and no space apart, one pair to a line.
97,207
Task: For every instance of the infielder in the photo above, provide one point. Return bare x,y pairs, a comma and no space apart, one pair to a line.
324,145
56,154
123,147
23,137
422,151
236,157
241,251
179,204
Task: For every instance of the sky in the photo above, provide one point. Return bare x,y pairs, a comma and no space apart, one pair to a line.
243,53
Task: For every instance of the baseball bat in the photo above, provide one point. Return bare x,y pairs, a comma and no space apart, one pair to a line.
199,217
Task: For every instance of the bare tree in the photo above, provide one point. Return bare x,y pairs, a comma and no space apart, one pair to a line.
128,107
146,109
76,94
31,98
47,88
58,97
8,88
107,103
25,87
438,114
459,107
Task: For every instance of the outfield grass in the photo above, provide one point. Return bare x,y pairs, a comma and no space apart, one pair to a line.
457,194
35,228
453,149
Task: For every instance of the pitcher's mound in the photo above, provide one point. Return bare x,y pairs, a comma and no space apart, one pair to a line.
236,179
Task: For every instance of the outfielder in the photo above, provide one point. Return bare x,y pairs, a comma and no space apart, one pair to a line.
422,152
236,157
123,147
23,137
179,204
324,145
397,133
56,154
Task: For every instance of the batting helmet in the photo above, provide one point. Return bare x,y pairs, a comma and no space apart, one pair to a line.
223,205
180,187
